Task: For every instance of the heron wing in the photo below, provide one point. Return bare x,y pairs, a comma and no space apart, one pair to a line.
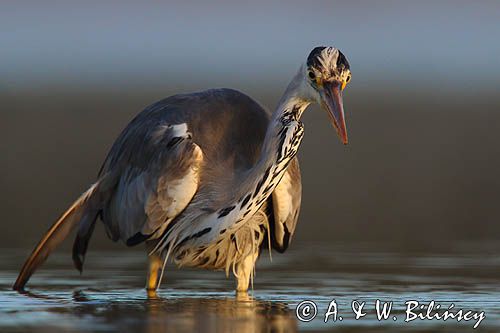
285,203
227,125
157,176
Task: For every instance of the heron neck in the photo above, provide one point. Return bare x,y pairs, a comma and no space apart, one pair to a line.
283,137
289,111
294,100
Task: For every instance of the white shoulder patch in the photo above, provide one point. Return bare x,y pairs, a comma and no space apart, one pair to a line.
179,130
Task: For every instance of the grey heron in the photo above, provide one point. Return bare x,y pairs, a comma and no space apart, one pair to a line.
206,179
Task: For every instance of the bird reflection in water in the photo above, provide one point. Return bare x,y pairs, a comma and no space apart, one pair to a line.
237,314
241,313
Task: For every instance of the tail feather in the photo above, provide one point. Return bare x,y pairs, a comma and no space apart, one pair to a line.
54,236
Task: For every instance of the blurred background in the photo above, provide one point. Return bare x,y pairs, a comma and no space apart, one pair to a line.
423,108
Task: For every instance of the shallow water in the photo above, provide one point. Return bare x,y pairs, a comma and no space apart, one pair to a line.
109,296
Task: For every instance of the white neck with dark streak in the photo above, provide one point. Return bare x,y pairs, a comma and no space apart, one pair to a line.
284,122
281,144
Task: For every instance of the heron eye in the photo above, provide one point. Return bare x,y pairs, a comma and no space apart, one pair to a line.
311,75
348,78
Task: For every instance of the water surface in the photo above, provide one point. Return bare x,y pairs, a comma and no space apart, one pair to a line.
109,296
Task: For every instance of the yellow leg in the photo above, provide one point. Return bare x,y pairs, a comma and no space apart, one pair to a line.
154,272
244,271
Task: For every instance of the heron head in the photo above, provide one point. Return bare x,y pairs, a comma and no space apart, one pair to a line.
327,73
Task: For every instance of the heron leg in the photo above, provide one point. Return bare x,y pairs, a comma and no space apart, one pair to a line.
244,272
155,269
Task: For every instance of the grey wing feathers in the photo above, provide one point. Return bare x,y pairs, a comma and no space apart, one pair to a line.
285,204
155,183
82,208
